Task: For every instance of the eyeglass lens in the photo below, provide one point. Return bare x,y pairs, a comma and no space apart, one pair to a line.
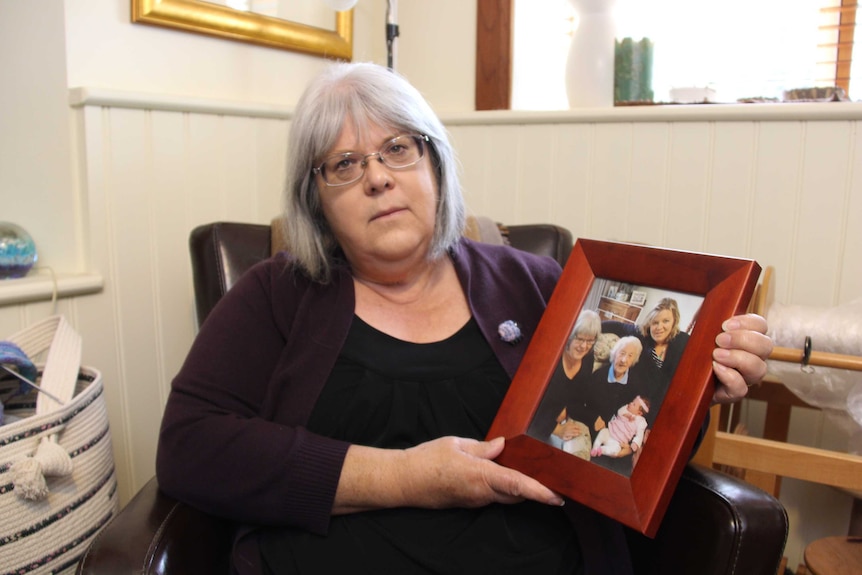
346,168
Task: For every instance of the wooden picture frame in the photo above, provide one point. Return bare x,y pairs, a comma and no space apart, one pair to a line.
202,17
638,499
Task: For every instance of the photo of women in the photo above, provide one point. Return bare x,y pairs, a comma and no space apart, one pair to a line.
600,406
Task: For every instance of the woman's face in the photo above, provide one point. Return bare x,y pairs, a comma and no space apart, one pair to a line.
580,346
386,216
661,326
625,358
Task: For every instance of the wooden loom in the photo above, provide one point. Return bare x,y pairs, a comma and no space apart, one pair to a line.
764,461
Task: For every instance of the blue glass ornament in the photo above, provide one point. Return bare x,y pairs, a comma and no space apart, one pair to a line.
17,251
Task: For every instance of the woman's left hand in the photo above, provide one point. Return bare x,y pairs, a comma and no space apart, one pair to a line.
739,360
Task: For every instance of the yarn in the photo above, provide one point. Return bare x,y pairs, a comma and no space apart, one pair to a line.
13,356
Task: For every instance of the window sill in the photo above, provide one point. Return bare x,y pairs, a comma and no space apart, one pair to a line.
778,112
40,286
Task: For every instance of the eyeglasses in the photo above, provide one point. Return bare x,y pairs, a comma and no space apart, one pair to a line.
348,167
582,341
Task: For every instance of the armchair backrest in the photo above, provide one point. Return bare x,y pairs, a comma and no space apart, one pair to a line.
222,251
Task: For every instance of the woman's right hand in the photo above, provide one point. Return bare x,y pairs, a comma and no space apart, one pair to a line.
458,472
443,473
567,430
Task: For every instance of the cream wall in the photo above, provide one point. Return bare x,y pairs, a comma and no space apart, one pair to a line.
105,50
53,45
437,51
172,129
37,187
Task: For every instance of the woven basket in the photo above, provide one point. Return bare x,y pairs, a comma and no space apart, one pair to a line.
57,482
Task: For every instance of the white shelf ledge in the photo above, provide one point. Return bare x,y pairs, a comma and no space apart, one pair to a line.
40,286
83,96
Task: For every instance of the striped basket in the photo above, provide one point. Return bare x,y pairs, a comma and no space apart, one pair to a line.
57,481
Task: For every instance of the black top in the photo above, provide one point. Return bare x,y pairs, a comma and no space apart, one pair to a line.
562,392
649,365
389,393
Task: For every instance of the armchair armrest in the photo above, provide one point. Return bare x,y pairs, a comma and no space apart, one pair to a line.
155,534
715,524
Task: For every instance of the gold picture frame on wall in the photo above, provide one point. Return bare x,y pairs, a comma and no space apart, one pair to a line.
212,19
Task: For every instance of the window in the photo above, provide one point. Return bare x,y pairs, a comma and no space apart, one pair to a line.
738,48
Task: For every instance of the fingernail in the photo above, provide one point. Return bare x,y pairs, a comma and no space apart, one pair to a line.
558,501
731,324
717,366
723,340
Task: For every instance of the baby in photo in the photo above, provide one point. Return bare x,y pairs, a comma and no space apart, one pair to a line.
627,427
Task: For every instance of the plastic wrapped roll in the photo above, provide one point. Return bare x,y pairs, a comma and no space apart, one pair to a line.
834,330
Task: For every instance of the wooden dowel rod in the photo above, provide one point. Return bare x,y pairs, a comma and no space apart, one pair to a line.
822,466
820,358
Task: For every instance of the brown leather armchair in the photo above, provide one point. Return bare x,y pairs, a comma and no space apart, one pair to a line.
715,524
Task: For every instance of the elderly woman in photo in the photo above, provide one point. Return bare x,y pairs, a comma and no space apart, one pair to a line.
663,345
660,334
335,402
612,386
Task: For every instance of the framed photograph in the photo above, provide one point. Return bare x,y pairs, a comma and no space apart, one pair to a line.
606,405
638,297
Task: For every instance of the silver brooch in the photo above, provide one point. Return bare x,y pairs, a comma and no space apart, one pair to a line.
509,332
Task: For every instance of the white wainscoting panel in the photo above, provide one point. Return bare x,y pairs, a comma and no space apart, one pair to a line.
150,174
785,192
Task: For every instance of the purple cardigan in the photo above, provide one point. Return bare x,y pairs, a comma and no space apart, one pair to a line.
232,441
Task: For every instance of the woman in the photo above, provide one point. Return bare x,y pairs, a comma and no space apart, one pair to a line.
334,401
664,340
551,422
663,346
615,384
580,344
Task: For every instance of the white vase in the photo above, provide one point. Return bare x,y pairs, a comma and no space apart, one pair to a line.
590,65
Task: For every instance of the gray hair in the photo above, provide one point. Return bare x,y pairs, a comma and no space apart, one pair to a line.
624,341
362,93
588,323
